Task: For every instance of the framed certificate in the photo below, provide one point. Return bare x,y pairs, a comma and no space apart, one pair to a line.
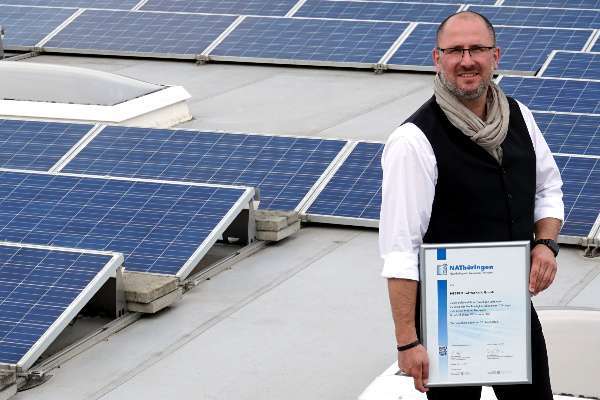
475,313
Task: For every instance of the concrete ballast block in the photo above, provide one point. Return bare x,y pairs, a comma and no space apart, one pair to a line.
158,304
142,287
271,224
275,236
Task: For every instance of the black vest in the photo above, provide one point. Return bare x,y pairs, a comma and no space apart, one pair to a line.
476,199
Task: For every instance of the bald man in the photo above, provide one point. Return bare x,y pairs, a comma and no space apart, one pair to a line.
470,165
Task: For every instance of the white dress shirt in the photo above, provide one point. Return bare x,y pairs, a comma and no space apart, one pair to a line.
409,179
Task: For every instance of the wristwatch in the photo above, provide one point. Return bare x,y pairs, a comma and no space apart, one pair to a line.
551,244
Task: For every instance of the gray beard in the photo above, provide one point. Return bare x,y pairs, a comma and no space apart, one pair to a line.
462,94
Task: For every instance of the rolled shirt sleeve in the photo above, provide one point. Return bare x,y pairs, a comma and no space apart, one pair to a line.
408,188
548,190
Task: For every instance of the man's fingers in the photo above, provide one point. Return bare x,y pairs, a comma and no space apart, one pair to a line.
533,275
418,378
425,373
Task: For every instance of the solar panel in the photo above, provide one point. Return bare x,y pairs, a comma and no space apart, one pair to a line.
140,33
574,65
554,3
37,145
41,291
159,227
26,26
309,41
238,7
370,10
549,17
523,49
554,94
353,194
113,4
581,191
571,133
416,49
284,168
596,47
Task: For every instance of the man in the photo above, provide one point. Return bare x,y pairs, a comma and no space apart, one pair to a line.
469,166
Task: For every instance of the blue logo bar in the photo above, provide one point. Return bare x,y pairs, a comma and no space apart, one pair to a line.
441,254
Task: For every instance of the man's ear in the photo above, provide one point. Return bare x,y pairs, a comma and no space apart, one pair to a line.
435,55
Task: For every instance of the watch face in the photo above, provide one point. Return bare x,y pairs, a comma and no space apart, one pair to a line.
551,244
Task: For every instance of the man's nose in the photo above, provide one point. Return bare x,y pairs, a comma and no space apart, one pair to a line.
466,58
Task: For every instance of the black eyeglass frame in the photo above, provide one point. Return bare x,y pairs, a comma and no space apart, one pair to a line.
463,49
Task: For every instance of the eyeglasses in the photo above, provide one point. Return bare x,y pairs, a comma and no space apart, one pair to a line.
459,52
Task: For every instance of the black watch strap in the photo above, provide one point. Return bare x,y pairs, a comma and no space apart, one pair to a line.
551,244
409,346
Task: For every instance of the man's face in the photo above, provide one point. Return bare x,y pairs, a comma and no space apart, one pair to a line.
467,76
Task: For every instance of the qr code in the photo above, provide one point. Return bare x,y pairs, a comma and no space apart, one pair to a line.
443,350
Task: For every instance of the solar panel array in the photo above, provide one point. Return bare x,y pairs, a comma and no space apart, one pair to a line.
554,17
37,145
576,65
283,168
320,32
41,290
157,226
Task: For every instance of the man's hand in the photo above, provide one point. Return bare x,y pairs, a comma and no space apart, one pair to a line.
543,269
415,363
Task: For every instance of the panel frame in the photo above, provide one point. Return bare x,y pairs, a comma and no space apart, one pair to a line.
109,270
245,201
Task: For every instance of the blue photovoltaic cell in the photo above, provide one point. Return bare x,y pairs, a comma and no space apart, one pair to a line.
37,145
549,17
371,10
574,65
554,3
283,168
571,133
114,4
141,32
310,40
596,47
156,226
355,189
562,95
238,7
581,193
27,26
36,287
523,49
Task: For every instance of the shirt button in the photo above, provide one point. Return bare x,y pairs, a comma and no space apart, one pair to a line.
509,196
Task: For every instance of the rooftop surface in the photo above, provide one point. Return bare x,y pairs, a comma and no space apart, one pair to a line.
307,317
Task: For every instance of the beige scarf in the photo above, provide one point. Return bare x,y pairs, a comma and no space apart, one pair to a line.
488,134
